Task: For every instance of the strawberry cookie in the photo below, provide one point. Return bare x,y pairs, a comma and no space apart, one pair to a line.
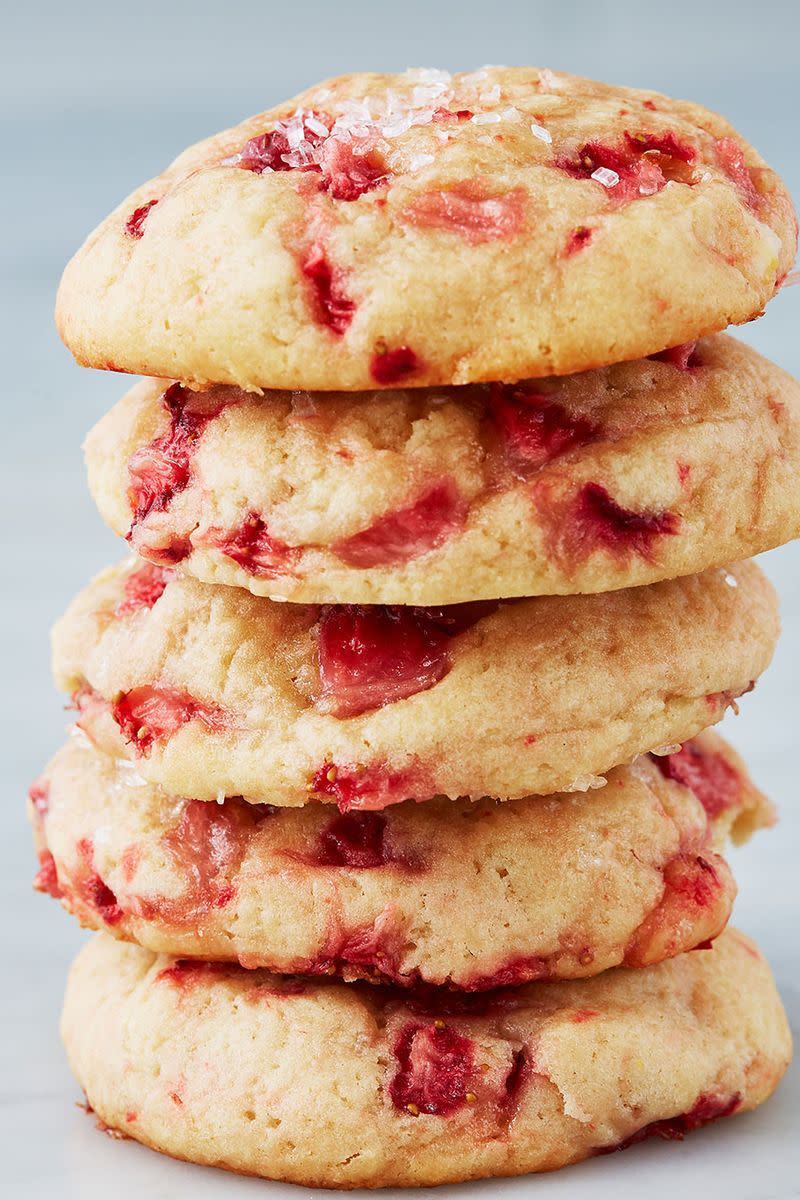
424,229
370,894
333,1085
621,476
215,692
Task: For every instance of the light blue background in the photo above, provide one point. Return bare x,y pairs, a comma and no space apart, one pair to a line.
96,97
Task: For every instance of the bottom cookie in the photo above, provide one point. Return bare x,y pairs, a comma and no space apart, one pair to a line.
350,1085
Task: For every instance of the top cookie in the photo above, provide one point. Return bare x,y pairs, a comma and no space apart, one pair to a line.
433,229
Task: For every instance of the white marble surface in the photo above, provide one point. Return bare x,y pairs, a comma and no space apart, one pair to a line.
110,93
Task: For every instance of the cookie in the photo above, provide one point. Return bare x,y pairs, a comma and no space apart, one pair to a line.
371,894
335,1085
433,229
615,477
215,692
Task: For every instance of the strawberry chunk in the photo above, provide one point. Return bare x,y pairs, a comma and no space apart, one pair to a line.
348,166
289,146
449,114
665,143
392,366
46,878
147,715
516,1081
714,781
374,948
161,470
693,879
91,889
696,898
406,533
683,357
356,840
600,519
134,226
518,970
623,174
185,973
332,305
143,587
350,169
434,1066
206,845
533,427
641,165
367,787
580,237
471,211
592,520
253,547
370,656
39,796
731,158
706,1108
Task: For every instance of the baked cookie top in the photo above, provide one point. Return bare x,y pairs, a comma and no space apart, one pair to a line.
433,229
614,477
346,1085
311,891
216,692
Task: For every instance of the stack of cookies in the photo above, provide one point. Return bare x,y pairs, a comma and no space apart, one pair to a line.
392,791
